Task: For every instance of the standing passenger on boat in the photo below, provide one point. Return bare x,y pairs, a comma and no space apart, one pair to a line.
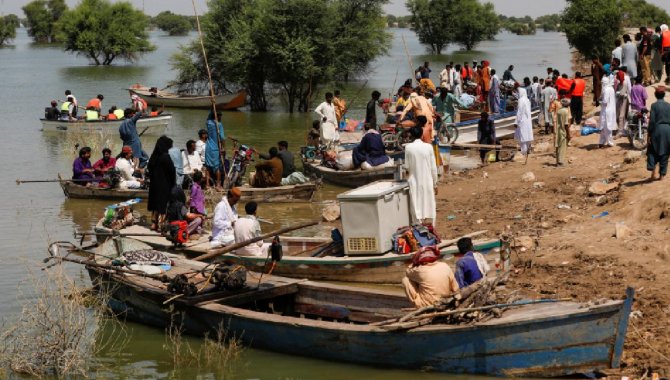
225,216
371,110
247,227
215,149
340,106
422,178
139,105
126,168
162,179
328,129
428,280
130,137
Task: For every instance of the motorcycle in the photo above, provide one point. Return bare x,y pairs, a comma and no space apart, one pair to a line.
242,156
636,128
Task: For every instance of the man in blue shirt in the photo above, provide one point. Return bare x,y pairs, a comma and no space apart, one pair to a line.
469,267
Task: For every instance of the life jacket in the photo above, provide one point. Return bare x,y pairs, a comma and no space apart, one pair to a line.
665,39
92,115
144,105
119,114
580,85
153,113
564,84
111,116
65,109
466,72
95,103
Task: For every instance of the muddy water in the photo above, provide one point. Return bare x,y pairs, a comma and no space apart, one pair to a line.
33,214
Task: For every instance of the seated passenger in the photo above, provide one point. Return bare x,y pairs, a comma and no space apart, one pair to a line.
176,211
111,115
269,172
370,152
92,114
52,113
247,227
225,216
197,202
155,111
191,159
471,266
95,103
105,164
428,280
314,136
126,168
82,171
120,114
67,109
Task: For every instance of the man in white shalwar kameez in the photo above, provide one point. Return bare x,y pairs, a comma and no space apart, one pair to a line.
326,112
524,122
608,122
422,178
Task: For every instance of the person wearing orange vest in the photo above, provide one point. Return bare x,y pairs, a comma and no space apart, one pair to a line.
563,83
577,102
96,103
466,72
665,51
155,111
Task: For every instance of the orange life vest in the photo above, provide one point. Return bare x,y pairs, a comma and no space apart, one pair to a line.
95,103
111,116
563,84
665,39
580,85
153,113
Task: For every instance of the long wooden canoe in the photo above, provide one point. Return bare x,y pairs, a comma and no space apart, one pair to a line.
504,124
280,194
170,99
154,125
298,261
336,323
346,178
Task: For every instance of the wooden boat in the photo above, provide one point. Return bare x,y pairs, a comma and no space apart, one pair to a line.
336,323
281,194
504,125
154,125
298,261
170,99
346,178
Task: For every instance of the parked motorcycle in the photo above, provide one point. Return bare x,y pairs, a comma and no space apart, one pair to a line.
242,156
636,127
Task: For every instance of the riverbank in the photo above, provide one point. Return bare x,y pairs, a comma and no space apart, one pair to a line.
588,246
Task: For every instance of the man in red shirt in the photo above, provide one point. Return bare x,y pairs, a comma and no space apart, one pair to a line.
96,103
106,163
577,102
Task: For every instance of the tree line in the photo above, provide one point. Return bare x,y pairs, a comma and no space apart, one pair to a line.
592,26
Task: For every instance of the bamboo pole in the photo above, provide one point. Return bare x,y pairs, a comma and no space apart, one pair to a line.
409,58
211,253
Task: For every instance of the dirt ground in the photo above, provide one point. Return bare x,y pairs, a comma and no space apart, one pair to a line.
577,255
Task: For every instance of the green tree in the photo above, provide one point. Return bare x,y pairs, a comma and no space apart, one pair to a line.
7,30
591,26
636,13
293,46
41,18
13,20
103,31
550,23
433,22
475,22
174,25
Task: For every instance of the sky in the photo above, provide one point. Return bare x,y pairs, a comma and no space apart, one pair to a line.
519,8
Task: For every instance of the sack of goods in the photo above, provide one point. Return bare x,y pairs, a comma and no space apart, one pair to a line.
412,238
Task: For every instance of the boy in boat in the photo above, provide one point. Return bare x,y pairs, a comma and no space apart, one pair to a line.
247,227
428,280
471,266
225,216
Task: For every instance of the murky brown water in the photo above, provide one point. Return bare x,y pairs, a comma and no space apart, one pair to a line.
34,214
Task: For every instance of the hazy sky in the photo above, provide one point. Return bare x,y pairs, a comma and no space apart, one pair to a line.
507,7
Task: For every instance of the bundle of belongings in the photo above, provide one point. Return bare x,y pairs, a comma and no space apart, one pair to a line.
120,215
145,260
412,238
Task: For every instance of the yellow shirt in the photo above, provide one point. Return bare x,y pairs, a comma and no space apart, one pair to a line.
427,284
340,108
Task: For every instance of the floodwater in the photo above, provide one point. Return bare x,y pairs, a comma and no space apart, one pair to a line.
35,214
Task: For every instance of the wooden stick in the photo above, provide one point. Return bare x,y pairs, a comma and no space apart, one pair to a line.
211,253
409,58
447,243
159,277
20,181
83,234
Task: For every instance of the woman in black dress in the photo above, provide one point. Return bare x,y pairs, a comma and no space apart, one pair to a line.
163,177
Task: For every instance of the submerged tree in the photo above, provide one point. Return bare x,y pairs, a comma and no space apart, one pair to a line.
292,45
41,18
591,26
103,31
475,22
7,29
174,25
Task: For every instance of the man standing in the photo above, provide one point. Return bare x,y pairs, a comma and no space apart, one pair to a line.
130,137
471,266
225,216
645,48
246,228
562,131
524,123
549,94
577,98
340,107
422,178
597,71
371,110
607,114
623,88
659,136
507,75
486,134
201,143
326,112
445,77
444,106
629,56
494,93
617,52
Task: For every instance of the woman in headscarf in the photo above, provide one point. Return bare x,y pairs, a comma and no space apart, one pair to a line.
162,178
659,136
524,122
214,145
607,113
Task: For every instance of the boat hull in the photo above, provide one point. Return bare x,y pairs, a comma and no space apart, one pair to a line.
504,125
155,126
280,194
551,340
346,178
223,102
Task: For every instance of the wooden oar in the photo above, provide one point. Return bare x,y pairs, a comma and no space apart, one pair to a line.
20,181
211,253
159,277
447,243
84,234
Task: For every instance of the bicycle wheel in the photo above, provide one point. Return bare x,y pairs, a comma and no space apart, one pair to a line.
390,140
448,134
639,142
